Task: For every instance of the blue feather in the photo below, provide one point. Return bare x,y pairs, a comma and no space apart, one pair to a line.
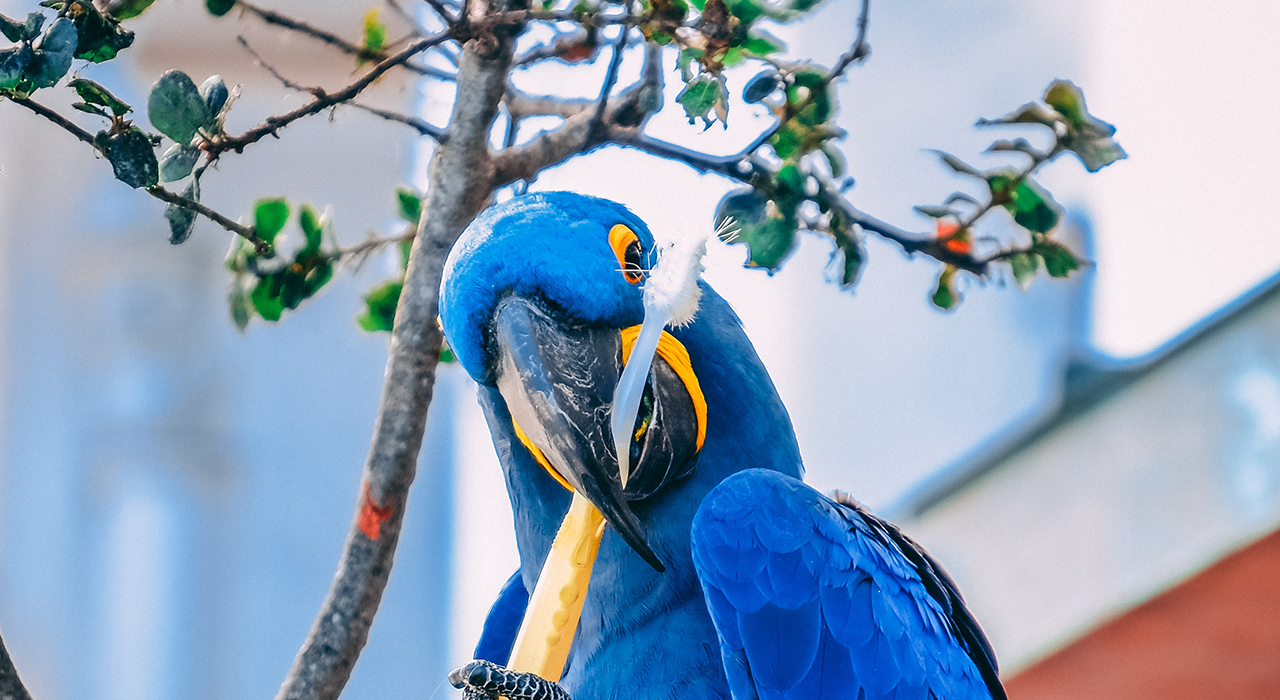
503,623
854,628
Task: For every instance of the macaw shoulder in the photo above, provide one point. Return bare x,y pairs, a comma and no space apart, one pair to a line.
815,599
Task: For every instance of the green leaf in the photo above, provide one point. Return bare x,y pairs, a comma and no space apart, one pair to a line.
698,97
125,9
410,204
787,141
1032,207
1025,266
1094,154
100,37
312,228
182,220
132,157
269,217
214,93
747,11
767,229
318,276
762,44
218,8
13,63
375,32
1067,100
16,31
241,306
266,298
849,248
380,303
791,181
446,352
1058,260
944,295
95,94
685,62
177,162
835,159
52,59
91,109
176,108
12,29
237,259
733,56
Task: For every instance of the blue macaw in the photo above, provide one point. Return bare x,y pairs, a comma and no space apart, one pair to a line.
722,575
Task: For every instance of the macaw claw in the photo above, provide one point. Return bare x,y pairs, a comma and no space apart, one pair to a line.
485,680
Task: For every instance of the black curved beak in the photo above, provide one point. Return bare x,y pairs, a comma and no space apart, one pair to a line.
558,380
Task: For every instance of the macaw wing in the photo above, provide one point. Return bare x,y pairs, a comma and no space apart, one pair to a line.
503,622
820,600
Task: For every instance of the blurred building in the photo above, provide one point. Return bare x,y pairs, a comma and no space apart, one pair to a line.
1126,546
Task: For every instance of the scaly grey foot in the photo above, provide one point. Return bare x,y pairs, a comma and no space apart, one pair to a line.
485,680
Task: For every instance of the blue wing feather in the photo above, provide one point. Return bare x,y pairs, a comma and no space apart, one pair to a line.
503,623
820,600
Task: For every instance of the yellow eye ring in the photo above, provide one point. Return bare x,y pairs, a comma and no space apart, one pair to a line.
626,247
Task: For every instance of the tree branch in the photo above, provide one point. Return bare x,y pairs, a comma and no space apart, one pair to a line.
262,247
281,20
321,101
157,191
858,51
522,104
11,687
610,79
421,125
746,169
445,14
461,185
569,139
358,253
61,121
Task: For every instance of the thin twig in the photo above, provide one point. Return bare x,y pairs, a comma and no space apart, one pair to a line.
1037,159
356,254
247,232
610,79
321,101
157,191
280,20
56,118
421,125
596,19
448,17
257,57
857,52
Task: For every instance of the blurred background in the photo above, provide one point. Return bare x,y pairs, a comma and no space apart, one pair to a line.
1096,461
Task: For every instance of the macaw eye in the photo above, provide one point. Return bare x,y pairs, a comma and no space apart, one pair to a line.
626,246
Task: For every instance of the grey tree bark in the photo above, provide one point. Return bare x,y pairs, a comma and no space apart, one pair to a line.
461,183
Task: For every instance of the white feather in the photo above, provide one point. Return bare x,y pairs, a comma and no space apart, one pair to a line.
671,296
